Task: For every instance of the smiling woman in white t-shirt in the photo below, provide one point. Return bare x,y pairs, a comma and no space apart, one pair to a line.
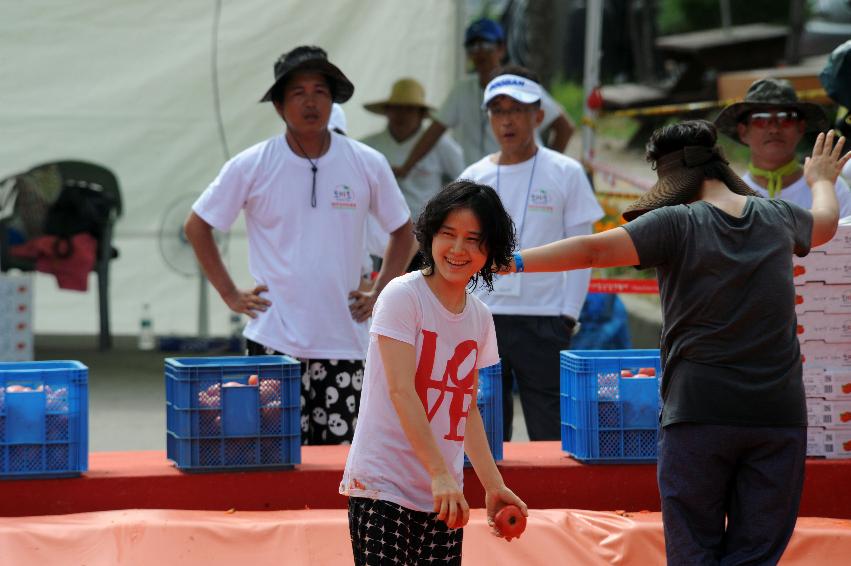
429,337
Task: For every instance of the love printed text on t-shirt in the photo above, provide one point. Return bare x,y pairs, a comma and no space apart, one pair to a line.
460,388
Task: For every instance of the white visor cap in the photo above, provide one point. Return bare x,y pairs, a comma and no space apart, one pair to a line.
519,88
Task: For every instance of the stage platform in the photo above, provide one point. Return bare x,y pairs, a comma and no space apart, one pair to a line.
544,476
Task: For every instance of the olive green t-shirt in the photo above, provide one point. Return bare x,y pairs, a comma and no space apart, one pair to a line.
730,351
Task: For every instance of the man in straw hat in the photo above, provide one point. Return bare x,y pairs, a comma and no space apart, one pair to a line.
732,441
306,195
484,42
771,121
406,109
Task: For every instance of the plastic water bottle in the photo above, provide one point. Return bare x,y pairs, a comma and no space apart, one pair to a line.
147,340
235,325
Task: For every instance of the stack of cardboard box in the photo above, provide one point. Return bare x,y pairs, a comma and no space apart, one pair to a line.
16,335
823,304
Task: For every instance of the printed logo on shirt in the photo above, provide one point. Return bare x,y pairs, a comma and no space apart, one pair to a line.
343,198
459,388
539,201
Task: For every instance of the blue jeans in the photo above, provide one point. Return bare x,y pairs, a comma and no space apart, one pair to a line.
749,477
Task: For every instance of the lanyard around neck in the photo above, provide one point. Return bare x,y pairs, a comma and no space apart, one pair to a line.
314,165
522,223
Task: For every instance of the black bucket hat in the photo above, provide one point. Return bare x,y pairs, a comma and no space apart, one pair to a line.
311,58
770,94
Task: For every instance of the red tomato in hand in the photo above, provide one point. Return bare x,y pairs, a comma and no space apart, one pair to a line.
510,522
253,380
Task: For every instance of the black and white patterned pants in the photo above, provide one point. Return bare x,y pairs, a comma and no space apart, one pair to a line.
330,396
387,533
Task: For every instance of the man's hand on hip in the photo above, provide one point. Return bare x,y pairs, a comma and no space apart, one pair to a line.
247,302
361,304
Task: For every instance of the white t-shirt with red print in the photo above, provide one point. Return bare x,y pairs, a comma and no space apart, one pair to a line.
449,347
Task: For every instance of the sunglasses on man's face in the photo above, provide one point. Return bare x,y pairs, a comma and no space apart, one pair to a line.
783,119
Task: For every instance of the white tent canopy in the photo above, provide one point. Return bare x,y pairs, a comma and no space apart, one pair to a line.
130,85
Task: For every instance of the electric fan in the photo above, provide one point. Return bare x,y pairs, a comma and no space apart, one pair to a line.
177,252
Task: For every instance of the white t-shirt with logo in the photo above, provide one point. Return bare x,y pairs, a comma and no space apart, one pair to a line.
449,347
556,203
310,258
462,112
444,161
800,193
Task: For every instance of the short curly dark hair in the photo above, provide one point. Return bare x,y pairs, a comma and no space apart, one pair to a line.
498,236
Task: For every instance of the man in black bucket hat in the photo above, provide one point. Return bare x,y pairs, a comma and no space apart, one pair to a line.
306,195
309,58
771,121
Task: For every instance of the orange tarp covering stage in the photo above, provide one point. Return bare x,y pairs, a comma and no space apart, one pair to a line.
320,537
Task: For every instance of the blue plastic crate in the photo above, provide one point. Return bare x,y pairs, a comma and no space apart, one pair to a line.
44,419
489,401
215,420
606,417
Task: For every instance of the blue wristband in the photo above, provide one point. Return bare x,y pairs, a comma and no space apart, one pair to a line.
518,263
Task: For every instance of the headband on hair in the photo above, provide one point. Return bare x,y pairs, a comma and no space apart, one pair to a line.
690,156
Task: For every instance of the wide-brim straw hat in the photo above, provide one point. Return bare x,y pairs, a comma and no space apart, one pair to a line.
405,92
768,95
311,58
680,177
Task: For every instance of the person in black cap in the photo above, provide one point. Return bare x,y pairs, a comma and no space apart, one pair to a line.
306,195
732,442
484,42
771,121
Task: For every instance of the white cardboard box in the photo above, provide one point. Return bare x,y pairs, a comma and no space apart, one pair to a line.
815,441
16,335
829,442
841,242
828,384
832,328
829,413
820,354
822,297
819,266
837,443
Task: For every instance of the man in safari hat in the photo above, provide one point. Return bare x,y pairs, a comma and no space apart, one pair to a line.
306,195
771,121
406,109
